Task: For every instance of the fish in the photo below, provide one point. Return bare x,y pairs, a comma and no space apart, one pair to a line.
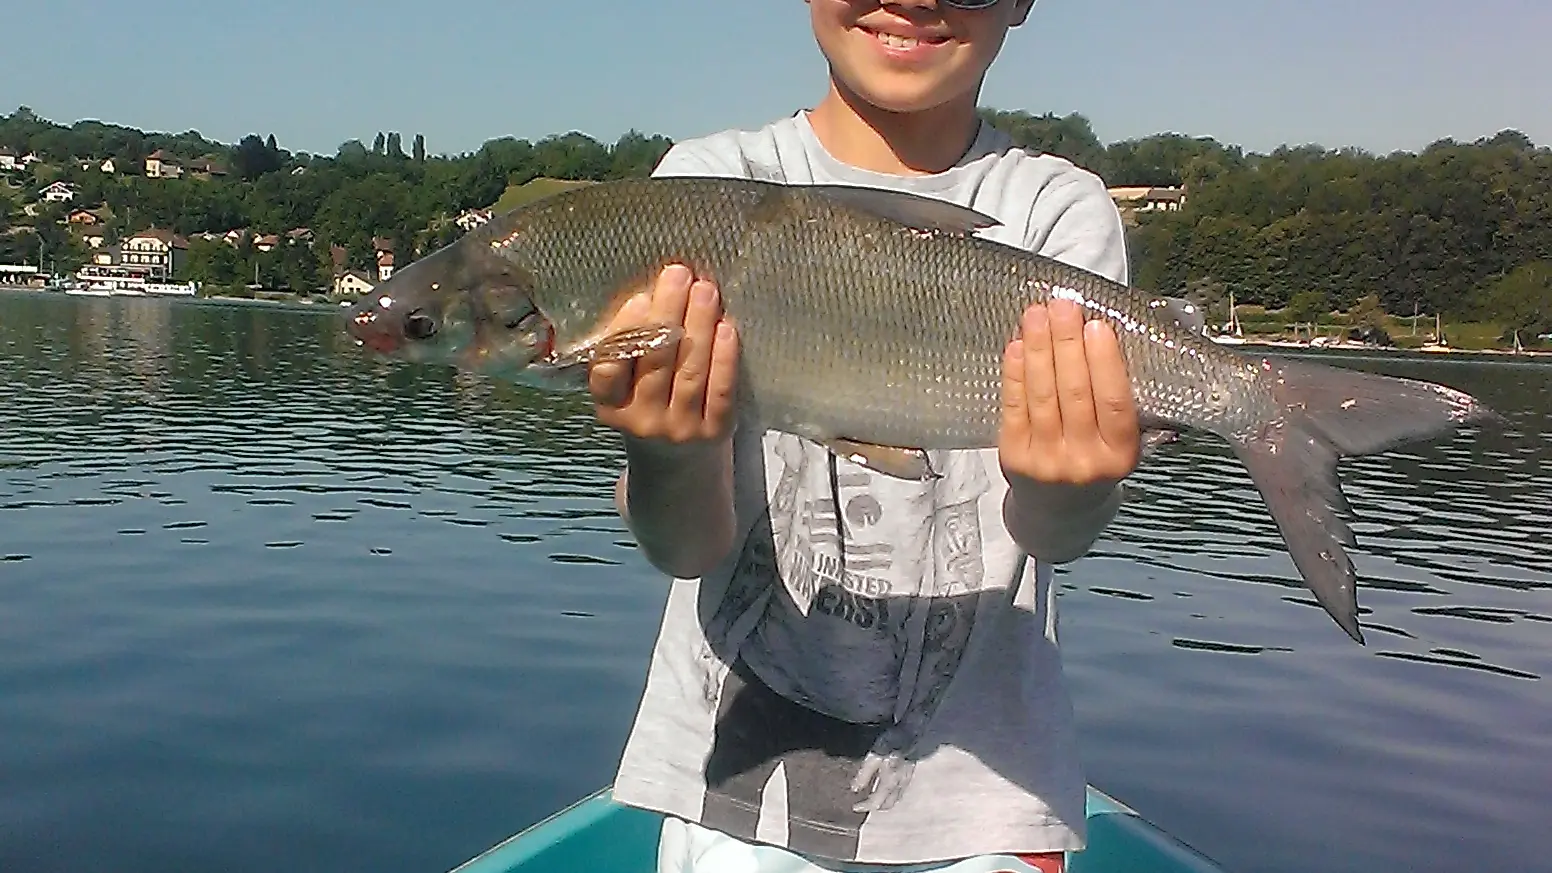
873,322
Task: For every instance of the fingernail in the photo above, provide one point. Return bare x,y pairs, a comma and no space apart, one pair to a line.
1037,318
703,293
676,274
724,331
1094,329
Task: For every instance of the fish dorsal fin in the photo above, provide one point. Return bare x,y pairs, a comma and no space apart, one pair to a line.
911,210
1182,311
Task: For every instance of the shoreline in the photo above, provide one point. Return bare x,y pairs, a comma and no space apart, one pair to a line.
1246,342
1358,347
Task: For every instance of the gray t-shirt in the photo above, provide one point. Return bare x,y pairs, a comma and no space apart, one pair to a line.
872,675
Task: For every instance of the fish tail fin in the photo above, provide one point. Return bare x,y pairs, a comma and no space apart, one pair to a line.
1327,414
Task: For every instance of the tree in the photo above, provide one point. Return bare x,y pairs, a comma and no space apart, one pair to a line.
395,147
1522,300
253,157
1306,307
1367,314
351,150
419,148
378,144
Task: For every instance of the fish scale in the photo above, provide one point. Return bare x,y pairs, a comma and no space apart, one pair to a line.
875,322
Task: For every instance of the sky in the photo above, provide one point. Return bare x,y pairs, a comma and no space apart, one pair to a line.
1379,74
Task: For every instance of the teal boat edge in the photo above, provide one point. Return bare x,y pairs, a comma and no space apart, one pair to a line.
598,834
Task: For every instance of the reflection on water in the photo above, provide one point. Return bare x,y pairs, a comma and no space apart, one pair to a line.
315,612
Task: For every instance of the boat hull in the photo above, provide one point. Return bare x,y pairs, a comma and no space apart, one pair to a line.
598,834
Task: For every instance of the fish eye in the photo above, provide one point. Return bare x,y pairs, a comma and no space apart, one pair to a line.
419,326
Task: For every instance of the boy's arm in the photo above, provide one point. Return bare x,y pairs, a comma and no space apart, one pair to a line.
1058,515
676,491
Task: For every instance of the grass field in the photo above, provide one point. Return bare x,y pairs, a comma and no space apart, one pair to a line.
1257,321
517,195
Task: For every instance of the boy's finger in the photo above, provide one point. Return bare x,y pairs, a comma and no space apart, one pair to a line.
1044,409
722,374
1115,407
694,357
655,370
1015,413
1073,389
609,382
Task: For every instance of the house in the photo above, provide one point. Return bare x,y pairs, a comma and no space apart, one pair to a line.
104,166
235,236
111,268
469,219
10,160
353,282
1141,198
158,249
205,168
58,192
86,217
267,242
384,266
94,236
161,165
299,235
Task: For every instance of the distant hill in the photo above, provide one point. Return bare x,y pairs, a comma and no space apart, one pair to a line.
517,195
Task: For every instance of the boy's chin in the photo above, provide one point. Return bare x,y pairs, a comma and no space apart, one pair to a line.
905,100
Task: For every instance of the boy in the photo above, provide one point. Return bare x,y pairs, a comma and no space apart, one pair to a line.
856,670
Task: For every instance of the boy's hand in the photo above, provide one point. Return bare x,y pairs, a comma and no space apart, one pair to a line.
680,395
1068,417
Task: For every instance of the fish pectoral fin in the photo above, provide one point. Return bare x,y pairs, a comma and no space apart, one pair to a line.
1152,438
902,463
624,345
911,210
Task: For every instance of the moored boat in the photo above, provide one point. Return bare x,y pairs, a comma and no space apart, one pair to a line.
598,834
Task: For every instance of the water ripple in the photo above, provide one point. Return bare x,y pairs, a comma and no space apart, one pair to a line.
243,563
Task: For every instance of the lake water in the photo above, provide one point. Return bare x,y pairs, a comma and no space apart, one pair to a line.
267,605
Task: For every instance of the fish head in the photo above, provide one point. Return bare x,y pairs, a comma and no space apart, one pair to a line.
463,305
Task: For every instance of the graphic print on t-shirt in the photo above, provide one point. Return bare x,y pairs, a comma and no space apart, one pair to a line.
836,670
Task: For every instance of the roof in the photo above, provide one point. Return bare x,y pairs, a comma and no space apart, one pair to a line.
166,237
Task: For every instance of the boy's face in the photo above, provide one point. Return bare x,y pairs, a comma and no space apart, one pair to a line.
911,55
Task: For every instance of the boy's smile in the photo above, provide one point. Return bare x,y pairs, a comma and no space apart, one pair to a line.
905,42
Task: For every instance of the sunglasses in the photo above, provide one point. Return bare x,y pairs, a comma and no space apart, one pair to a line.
969,5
